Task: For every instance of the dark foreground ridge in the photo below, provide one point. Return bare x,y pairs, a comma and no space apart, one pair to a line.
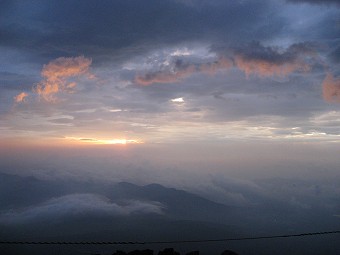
168,251
179,241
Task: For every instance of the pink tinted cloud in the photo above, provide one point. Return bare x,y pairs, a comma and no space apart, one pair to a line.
56,74
20,97
331,89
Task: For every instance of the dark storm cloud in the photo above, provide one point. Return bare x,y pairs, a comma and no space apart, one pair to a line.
115,29
325,2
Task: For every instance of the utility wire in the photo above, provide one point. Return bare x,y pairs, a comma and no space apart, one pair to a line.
178,241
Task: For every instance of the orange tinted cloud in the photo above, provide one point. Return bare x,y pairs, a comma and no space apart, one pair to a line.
56,74
182,71
20,97
331,89
266,61
265,68
255,58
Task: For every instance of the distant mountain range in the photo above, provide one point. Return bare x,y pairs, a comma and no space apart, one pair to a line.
33,209
124,210
49,210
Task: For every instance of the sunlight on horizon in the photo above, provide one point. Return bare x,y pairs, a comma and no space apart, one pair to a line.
120,141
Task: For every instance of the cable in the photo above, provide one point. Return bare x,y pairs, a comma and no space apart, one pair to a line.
174,242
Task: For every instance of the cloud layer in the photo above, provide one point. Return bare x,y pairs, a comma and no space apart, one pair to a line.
80,205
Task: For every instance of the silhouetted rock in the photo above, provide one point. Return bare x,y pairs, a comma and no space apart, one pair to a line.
119,253
141,252
193,253
228,252
168,251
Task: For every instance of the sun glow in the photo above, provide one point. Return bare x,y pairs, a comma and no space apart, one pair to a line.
105,141
117,141
177,100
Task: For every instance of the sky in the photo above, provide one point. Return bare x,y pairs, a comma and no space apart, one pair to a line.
229,87
237,101
169,72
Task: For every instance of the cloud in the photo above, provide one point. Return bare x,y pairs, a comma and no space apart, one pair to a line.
179,70
265,68
271,61
56,76
252,59
20,97
214,67
115,31
80,204
331,89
